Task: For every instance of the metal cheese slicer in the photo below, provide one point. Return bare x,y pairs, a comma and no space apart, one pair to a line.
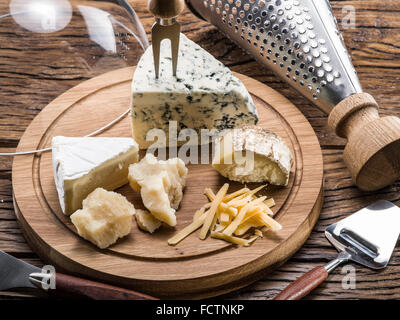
367,237
165,27
300,41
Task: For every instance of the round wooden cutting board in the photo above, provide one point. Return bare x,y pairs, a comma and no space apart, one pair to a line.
144,262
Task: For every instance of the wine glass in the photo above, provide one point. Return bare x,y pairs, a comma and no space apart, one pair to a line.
48,46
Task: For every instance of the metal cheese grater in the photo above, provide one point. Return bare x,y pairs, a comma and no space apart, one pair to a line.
299,40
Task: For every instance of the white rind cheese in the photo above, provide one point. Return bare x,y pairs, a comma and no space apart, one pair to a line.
204,94
81,165
253,154
160,184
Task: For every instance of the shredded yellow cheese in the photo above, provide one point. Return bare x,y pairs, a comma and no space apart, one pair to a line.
229,217
269,202
232,239
225,217
269,222
266,209
211,213
235,194
199,213
219,227
197,223
246,226
254,191
240,201
223,207
238,219
259,233
252,239
208,192
214,222
251,213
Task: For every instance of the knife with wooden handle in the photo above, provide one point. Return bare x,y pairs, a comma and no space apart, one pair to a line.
15,273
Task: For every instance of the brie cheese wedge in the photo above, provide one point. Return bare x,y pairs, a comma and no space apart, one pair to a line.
253,154
81,165
204,95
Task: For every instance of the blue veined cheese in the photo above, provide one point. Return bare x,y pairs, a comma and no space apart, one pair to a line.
204,94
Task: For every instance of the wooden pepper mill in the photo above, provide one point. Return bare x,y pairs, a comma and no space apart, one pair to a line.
165,27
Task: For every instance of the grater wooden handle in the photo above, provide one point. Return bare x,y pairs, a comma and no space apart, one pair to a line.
372,152
166,9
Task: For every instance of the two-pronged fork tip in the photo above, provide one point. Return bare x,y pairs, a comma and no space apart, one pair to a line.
160,32
166,27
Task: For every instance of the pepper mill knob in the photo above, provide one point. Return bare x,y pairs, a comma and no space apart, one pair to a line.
166,9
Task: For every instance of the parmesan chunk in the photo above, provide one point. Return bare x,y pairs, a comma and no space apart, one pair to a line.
146,221
160,184
105,217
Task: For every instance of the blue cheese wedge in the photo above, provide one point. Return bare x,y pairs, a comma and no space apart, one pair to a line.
81,165
204,94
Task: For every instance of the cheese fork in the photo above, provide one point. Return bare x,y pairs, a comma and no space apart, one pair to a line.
367,237
165,27
15,273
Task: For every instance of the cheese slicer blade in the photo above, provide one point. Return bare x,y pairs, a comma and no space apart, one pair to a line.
367,237
165,27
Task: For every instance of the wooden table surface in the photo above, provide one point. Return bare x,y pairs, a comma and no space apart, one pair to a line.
36,68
